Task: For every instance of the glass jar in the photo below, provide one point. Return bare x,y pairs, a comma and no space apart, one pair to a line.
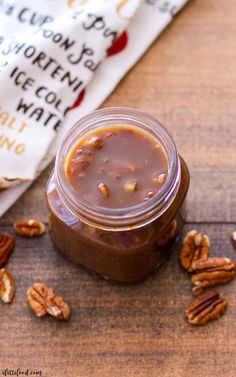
121,244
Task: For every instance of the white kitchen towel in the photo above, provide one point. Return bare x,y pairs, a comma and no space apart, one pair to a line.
46,60
138,24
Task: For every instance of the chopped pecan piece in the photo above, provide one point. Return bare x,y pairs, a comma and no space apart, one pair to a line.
195,247
233,239
149,195
29,228
104,189
80,162
159,178
131,186
6,247
7,286
213,271
95,141
43,300
206,307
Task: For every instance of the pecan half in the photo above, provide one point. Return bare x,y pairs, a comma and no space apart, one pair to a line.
29,228
213,271
6,247
195,247
43,300
206,307
7,286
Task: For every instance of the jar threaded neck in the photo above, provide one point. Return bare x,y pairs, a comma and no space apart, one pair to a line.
124,218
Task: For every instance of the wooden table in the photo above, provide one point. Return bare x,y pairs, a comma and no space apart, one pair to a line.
187,80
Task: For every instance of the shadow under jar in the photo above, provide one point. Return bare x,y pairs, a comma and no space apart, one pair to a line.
129,231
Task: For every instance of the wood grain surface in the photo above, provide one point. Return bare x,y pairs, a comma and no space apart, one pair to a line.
187,80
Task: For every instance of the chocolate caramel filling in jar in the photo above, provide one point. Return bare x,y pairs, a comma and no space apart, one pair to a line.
116,195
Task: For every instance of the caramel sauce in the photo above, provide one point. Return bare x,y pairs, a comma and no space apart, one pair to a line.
117,167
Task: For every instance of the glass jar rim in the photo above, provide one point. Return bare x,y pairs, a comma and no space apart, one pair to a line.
118,218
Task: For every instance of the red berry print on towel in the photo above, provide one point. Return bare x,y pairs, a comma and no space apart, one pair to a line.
79,100
119,44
